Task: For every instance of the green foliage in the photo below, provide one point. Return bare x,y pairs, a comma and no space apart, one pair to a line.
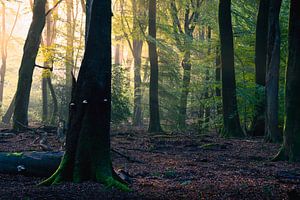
120,95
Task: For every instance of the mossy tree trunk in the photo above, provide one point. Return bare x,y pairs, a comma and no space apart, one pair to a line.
154,123
31,47
291,138
258,123
232,126
87,155
272,73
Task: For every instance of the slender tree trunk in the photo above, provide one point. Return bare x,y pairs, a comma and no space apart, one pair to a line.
4,39
46,73
69,62
272,73
137,110
3,53
54,117
138,8
218,71
258,123
291,138
232,126
7,116
207,76
44,97
154,123
87,155
186,65
31,47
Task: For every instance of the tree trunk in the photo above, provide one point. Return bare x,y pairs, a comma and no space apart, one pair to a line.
207,77
44,97
154,123
4,44
87,155
218,71
31,47
272,73
137,110
3,53
186,65
7,116
69,62
54,117
291,138
139,14
232,126
258,123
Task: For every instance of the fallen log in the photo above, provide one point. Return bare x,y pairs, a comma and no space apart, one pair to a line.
31,163
35,163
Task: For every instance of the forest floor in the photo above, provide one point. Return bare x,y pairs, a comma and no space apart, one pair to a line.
170,166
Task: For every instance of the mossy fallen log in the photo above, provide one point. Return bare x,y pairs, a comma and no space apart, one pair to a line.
30,163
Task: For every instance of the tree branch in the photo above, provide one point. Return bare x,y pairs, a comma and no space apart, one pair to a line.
50,10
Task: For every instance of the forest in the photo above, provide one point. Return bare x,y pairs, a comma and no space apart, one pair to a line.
149,99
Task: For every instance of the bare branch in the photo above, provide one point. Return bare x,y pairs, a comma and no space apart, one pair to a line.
57,3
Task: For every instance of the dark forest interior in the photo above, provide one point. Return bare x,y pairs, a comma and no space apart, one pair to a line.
150,99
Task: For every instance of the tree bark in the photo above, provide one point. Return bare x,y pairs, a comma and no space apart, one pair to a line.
258,123
232,126
69,62
46,72
3,53
137,110
272,73
54,116
187,66
30,163
31,47
191,16
154,123
87,155
291,138
7,116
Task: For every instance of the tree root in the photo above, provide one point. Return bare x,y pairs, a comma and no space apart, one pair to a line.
113,181
280,156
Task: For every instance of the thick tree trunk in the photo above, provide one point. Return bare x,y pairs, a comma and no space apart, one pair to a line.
258,123
232,126
87,154
31,47
291,138
154,123
272,73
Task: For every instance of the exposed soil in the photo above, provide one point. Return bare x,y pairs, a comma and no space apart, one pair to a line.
170,166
